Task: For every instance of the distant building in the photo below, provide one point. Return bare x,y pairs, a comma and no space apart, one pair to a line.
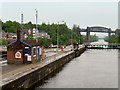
27,32
34,33
3,34
43,34
24,51
11,35
8,35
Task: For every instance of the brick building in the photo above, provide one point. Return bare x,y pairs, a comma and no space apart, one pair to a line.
23,51
27,32
40,33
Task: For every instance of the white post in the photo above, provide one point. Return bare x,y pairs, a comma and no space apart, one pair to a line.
22,26
57,36
71,40
36,26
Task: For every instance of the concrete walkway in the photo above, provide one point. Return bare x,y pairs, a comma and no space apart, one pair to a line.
11,72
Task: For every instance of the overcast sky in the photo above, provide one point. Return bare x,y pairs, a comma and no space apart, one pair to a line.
81,13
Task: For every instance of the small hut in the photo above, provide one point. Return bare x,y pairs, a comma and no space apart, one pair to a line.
24,51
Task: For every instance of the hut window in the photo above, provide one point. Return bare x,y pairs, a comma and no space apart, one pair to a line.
26,50
33,51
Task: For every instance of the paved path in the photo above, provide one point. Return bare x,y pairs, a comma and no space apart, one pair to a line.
12,71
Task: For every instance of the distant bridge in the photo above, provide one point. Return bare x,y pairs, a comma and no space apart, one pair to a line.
97,29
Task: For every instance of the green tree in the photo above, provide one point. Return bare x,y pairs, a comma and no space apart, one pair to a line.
93,38
3,42
63,39
44,42
28,25
80,39
51,29
119,37
113,38
75,41
30,37
106,38
10,26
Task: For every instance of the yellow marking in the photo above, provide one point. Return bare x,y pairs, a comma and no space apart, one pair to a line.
22,71
14,70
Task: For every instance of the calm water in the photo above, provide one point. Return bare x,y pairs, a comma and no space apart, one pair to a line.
93,69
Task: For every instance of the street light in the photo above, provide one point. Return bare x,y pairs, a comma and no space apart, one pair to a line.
36,24
58,36
22,26
71,39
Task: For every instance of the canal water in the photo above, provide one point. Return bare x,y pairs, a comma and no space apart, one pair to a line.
95,68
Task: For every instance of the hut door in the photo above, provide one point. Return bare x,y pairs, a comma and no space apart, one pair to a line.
37,53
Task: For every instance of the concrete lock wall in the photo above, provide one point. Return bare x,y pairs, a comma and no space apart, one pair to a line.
30,79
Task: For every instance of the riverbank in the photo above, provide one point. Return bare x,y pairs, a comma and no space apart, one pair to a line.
30,74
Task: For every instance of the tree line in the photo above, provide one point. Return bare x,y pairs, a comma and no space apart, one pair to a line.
114,38
51,29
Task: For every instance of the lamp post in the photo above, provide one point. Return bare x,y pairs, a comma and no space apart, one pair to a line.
22,26
36,25
58,36
71,39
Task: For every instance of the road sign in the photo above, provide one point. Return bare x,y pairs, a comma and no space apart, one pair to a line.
18,55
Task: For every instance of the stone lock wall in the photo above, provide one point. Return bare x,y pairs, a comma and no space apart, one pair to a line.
30,79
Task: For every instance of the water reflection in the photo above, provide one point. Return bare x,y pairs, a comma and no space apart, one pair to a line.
100,42
93,69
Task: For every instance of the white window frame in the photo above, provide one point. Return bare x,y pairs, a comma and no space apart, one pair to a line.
37,46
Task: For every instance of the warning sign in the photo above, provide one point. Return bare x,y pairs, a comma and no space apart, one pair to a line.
18,55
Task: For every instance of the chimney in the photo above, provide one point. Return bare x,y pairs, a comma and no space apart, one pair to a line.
18,34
